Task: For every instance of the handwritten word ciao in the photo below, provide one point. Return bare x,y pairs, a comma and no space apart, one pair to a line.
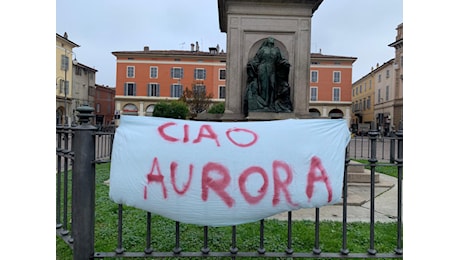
206,131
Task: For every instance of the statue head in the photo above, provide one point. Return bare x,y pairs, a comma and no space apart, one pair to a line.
269,42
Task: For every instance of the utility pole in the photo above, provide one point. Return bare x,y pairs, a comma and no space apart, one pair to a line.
66,67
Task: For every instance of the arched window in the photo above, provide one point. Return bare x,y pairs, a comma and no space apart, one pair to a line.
336,114
149,110
130,109
314,112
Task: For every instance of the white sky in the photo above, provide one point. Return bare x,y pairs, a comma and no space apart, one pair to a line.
356,28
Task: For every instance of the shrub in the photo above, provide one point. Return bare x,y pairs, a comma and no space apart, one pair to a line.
218,108
174,109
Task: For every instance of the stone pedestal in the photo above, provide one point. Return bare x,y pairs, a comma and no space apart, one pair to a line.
247,24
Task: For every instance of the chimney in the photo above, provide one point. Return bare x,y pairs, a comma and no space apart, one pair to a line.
218,48
146,48
192,47
197,46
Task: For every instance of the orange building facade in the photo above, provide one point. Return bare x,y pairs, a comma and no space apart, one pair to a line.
330,86
147,77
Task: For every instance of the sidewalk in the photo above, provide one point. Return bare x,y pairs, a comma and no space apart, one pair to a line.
358,210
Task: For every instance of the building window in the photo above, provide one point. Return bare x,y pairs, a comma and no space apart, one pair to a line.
153,90
64,62
149,110
200,74
314,94
153,72
360,88
222,74
335,94
130,89
222,92
98,108
369,102
387,73
379,98
336,77
177,73
91,91
130,72
314,76
130,109
176,90
387,93
380,78
63,85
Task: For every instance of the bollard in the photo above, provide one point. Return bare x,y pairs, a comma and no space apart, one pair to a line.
83,186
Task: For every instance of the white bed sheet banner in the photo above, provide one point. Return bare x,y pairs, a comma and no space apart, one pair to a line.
227,173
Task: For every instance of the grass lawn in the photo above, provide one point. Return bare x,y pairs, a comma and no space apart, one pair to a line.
385,168
163,230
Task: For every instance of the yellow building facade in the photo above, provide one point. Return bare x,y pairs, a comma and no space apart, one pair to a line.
64,58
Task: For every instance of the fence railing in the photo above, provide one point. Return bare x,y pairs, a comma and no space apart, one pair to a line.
80,148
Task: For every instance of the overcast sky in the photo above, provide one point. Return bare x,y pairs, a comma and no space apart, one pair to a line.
355,28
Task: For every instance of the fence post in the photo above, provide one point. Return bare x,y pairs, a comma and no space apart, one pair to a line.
373,135
83,185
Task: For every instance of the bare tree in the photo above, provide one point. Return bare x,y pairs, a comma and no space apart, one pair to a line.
196,99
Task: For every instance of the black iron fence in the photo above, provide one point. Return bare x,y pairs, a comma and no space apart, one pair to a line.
80,148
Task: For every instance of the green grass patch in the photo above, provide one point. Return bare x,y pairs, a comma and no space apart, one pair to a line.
219,238
385,168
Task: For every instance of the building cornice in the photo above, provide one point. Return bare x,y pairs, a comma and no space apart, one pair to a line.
169,54
69,42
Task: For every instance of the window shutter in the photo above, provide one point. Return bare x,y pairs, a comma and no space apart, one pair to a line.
171,90
181,73
204,74
126,89
134,89
172,72
64,62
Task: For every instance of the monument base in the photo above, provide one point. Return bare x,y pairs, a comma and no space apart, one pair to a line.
267,116
232,117
305,116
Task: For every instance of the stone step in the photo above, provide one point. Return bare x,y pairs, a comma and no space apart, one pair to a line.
358,174
362,177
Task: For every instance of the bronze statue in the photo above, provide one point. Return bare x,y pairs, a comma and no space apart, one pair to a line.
267,87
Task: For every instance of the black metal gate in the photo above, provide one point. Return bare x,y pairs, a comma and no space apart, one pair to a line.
81,148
